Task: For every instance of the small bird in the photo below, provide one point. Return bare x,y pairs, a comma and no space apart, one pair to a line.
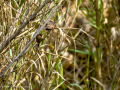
49,26
39,38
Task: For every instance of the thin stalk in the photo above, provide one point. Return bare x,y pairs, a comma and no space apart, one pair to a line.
98,67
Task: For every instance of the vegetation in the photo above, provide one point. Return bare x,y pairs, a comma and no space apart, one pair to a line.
80,52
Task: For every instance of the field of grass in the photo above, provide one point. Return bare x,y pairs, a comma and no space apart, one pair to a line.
80,52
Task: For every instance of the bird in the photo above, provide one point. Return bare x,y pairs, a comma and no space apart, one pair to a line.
49,26
39,38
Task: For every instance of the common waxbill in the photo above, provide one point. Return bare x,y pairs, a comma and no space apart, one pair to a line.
39,38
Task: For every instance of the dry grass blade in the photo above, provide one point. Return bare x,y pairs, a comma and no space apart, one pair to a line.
102,85
58,85
77,33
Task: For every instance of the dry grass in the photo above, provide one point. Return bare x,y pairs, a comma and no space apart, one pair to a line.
66,58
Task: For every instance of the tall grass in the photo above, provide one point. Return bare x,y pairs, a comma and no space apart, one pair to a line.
80,53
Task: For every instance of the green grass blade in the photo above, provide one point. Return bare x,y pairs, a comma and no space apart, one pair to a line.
78,51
